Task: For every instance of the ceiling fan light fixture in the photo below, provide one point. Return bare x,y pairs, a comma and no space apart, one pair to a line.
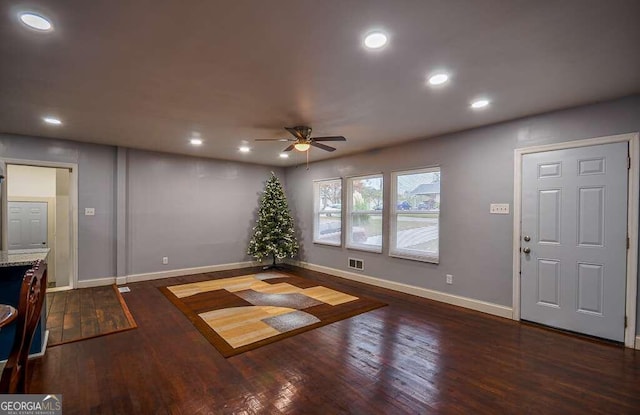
302,146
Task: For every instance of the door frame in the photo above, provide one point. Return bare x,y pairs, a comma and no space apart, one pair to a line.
633,140
73,202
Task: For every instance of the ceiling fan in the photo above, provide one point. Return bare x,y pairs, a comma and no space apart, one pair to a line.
303,139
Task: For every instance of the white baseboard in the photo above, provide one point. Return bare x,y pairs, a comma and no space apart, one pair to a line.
473,304
189,271
44,346
98,282
637,345
40,353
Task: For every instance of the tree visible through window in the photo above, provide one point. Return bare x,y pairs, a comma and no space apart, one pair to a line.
365,213
327,212
415,217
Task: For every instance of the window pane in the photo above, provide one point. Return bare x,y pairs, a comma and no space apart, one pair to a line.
365,213
420,191
415,216
417,233
327,204
367,194
329,228
366,229
329,196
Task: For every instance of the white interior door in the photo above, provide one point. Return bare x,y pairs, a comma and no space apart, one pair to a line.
27,225
574,240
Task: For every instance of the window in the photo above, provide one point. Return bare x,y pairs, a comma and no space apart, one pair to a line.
364,218
327,202
415,214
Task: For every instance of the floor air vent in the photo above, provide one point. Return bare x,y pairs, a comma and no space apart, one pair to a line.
356,264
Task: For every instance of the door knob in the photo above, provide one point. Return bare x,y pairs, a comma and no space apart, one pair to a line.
527,238
527,250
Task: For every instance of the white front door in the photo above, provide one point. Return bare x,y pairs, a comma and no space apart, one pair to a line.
574,239
27,225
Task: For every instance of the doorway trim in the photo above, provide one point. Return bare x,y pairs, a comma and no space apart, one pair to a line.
73,198
633,140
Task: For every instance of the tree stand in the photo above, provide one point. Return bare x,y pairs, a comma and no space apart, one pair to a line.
273,265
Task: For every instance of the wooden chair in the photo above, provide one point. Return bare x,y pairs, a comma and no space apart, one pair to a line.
32,292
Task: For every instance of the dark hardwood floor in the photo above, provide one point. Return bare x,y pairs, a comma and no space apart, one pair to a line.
88,312
414,356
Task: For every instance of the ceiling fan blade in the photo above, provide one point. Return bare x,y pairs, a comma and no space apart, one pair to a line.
288,148
274,139
295,133
335,138
322,146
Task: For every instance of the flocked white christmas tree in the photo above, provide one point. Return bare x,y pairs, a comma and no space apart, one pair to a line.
274,233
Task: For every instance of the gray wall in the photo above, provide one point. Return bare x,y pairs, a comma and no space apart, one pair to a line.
96,169
477,169
195,211
200,212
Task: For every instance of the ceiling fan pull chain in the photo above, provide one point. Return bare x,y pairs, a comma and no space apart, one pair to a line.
308,158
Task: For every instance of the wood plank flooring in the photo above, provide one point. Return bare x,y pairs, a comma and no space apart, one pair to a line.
88,312
414,356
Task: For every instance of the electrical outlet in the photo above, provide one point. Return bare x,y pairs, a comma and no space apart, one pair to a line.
89,211
499,208
449,279
165,260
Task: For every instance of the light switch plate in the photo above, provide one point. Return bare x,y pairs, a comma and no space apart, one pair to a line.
499,208
89,211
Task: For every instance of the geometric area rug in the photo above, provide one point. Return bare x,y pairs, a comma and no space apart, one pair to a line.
243,313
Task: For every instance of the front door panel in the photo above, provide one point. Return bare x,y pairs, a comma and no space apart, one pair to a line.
574,213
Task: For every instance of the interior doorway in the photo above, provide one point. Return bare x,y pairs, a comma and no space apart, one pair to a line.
37,212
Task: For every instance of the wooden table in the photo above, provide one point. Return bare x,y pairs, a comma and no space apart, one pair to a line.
7,314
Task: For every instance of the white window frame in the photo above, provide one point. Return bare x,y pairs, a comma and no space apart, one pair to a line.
349,215
317,212
394,251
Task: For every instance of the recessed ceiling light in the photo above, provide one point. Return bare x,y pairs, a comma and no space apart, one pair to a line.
35,21
52,120
438,79
375,40
195,141
284,156
244,149
480,103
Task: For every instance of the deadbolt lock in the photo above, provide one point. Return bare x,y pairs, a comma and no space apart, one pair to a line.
527,238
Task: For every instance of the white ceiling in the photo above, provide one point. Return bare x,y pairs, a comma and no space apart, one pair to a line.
146,74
